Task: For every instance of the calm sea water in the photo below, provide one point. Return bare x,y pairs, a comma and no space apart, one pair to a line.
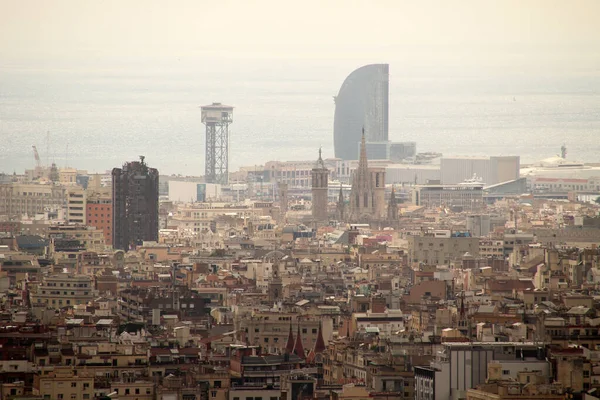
99,118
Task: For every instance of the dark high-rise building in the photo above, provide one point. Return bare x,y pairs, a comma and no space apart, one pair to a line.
135,204
362,102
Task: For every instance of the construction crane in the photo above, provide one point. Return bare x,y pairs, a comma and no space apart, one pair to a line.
38,163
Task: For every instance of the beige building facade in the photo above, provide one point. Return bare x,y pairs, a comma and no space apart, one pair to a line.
441,247
76,206
63,290
63,384
271,329
18,199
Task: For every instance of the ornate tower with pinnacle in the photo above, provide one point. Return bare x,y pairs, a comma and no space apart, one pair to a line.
275,284
362,197
320,181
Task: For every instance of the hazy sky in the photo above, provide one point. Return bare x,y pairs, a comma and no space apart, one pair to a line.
134,72
544,33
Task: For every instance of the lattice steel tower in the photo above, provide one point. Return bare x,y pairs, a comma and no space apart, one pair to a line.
217,118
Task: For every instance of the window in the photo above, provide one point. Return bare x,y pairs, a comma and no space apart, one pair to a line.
137,391
60,396
86,396
74,384
303,330
314,330
505,372
266,340
213,393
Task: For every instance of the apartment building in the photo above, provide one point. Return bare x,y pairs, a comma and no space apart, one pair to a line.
18,267
201,217
459,366
18,199
99,213
491,248
441,247
76,206
271,329
136,390
63,290
144,305
89,237
64,383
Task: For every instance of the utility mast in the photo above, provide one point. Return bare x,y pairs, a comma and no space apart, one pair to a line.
217,118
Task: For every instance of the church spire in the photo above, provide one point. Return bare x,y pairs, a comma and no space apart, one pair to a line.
318,348
289,346
362,194
320,164
320,343
363,151
298,347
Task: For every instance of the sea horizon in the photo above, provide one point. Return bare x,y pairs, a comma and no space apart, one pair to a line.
100,118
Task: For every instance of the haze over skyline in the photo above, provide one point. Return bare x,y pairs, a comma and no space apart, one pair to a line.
490,31
253,54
